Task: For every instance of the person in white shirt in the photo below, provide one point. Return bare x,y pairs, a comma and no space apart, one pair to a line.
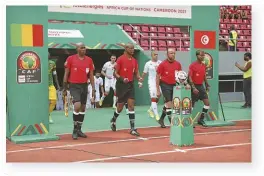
59,104
110,80
90,98
150,69
98,83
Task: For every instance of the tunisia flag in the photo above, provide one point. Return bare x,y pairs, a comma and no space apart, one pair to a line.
204,39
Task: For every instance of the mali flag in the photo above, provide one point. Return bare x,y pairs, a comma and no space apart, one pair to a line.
27,35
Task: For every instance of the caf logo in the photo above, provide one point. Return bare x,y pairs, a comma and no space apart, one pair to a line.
208,61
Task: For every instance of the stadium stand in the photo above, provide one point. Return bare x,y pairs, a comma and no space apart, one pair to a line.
160,37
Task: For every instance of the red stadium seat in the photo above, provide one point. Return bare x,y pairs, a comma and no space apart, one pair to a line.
243,7
162,36
178,43
145,48
228,26
153,35
153,29
239,21
170,43
247,32
128,28
154,48
248,26
242,38
236,26
169,30
170,36
222,26
249,7
177,35
221,21
239,44
239,32
226,37
226,21
249,38
224,31
145,35
144,43
137,28
186,44
243,26
233,21
246,44
185,36
161,29
154,43
248,49
135,35
245,21
176,30
162,43
145,29
241,49
162,49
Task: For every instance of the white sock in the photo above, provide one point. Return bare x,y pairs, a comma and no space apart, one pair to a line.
102,98
154,108
114,100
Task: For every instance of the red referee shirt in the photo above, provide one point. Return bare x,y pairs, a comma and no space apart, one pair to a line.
79,68
197,72
126,67
167,70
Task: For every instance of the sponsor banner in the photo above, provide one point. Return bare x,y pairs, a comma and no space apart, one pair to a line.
61,33
184,12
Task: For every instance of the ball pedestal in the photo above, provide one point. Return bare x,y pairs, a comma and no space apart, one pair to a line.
181,127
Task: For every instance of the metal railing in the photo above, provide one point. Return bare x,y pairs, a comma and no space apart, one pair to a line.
150,38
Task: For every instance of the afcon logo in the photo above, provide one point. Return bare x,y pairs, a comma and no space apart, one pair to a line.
28,60
208,61
176,103
186,103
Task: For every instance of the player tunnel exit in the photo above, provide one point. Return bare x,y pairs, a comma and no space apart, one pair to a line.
99,56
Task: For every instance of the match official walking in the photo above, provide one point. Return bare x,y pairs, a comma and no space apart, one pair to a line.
77,69
126,69
197,76
165,79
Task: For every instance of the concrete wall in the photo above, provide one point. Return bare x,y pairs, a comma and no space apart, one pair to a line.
226,61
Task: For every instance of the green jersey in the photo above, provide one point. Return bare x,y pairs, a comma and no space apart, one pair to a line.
52,67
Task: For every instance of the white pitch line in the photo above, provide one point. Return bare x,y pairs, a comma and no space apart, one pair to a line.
163,152
116,141
124,140
180,150
95,131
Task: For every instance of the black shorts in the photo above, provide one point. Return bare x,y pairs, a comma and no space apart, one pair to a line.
124,91
202,95
167,91
79,92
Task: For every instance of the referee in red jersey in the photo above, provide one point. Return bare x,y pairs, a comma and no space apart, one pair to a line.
197,76
126,69
77,69
165,79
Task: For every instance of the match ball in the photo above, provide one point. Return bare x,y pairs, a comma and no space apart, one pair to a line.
181,77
